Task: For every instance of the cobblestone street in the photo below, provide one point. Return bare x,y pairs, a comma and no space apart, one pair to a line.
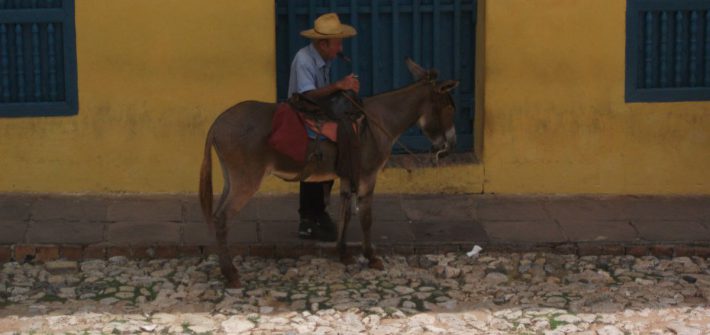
494,293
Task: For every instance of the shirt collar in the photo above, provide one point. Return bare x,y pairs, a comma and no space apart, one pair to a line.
316,56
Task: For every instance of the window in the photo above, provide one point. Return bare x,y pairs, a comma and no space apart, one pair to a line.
435,33
37,58
667,50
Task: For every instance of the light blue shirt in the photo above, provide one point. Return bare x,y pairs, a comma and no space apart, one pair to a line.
308,71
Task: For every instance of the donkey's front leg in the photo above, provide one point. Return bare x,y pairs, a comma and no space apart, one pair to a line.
345,214
365,213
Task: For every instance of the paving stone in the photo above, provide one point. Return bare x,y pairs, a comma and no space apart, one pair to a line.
667,231
15,207
143,233
680,208
510,208
144,210
193,211
588,208
451,231
583,230
198,233
61,231
12,231
73,208
523,231
277,208
434,208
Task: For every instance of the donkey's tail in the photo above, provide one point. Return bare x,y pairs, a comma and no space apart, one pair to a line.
206,181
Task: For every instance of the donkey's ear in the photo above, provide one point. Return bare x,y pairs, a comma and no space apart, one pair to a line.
417,71
446,85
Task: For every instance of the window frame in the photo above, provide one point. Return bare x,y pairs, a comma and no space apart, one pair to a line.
66,15
635,57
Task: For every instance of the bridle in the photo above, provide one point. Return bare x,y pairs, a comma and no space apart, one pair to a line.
431,79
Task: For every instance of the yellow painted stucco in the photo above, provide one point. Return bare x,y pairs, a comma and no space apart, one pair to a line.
554,115
550,110
152,76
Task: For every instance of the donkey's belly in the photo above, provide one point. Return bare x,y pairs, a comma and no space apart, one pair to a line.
314,170
299,175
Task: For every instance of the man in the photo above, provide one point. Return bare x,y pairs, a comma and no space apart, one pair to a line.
310,73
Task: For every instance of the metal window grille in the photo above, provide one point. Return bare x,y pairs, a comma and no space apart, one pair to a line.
435,33
37,58
668,50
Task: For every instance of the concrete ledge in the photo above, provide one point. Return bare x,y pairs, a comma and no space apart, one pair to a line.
81,226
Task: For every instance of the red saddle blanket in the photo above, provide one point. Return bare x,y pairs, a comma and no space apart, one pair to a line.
289,135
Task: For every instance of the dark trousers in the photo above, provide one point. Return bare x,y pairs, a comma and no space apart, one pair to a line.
312,198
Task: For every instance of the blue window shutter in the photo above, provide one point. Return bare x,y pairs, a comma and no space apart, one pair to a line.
37,58
667,50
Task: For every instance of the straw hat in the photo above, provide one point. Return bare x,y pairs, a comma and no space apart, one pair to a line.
329,26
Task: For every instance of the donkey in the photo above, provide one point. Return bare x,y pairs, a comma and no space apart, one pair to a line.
239,137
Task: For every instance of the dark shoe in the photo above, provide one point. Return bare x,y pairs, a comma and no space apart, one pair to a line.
307,229
328,231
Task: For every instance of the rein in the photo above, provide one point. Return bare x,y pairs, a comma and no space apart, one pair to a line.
377,123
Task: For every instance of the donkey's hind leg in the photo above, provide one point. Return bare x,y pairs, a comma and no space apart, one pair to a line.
237,194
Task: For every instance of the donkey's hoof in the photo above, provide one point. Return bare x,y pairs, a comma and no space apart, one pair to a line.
348,260
231,278
376,263
233,283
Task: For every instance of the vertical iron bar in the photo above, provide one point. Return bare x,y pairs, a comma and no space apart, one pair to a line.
416,36
37,64
292,30
353,41
693,52
375,52
648,50
5,59
395,44
700,81
680,47
52,62
20,63
707,48
663,46
457,54
312,12
436,32
335,67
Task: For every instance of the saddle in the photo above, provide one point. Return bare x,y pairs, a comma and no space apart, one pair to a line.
334,118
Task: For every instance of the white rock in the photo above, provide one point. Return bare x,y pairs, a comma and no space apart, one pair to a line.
609,330
682,329
495,278
61,266
236,325
403,290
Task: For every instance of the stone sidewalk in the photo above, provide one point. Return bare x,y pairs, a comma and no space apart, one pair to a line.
82,226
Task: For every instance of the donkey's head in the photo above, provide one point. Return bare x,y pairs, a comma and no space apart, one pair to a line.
437,120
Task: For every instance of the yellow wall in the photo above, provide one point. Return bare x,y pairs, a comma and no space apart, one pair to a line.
550,104
555,116
152,77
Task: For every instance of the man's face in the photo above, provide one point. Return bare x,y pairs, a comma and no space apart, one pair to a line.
331,47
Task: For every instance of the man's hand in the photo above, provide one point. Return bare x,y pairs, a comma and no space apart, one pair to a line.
349,82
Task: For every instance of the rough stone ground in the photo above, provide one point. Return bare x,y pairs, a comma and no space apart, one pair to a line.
507,293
